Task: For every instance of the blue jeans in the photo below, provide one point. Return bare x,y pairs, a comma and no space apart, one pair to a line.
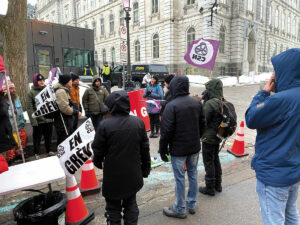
179,175
278,205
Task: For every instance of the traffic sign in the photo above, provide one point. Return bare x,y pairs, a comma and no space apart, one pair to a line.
123,32
123,52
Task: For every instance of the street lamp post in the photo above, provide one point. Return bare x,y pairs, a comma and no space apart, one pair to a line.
126,6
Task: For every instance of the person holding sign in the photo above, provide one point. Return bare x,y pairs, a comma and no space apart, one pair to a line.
63,121
41,126
121,146
93,101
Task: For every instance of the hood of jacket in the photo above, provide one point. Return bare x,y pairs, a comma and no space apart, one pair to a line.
118,102
287,69
214,89
60,86
179,86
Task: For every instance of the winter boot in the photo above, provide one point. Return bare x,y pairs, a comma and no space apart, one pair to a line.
157,127
152,131
207,191
218,187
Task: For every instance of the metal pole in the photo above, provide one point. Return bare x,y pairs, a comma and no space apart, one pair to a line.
14,118
127,18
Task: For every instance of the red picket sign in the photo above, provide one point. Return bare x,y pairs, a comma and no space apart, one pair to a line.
137,107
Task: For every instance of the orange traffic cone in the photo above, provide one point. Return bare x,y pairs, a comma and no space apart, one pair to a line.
89,183
238,148
77,213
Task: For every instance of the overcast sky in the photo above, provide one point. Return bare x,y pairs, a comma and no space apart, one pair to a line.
4,4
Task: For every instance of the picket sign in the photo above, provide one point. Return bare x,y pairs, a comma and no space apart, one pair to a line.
45,102
76,149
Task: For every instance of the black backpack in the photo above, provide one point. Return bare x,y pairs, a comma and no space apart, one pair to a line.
228,124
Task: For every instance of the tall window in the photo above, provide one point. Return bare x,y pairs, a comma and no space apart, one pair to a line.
250,5
190,2
281,48
270,16
104,56
102,26
113,55
84,7
111,23
137,50
190,37
276,18
122,18
261,6
86,26
222,40
77,10
156,46
299,29
275,49
294,27
283,22
94,28
289,24
136,12
92,4
154,6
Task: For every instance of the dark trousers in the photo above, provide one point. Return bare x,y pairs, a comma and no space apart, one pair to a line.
96,119
106,77
212,165
114,209
63,128
75,123
154,122
45,130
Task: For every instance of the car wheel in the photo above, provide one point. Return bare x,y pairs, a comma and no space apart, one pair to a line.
138,84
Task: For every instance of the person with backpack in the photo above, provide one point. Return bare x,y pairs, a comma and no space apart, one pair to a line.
93,101
63,120
41,126
210,141
154,92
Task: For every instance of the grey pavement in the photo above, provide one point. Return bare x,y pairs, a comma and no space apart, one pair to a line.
237,204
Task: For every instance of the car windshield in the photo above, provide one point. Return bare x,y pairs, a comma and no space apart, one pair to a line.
158,68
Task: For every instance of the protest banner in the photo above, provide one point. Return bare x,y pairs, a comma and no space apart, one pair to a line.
76,149
45,102
138,108
202,53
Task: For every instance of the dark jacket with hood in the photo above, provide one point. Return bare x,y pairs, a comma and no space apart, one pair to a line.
122,144
276,119
89,100
31,106
7,140
183,121
212,109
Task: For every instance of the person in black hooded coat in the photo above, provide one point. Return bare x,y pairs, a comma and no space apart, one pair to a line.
7,140
121,148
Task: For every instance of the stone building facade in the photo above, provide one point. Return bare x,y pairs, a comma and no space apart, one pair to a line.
250,31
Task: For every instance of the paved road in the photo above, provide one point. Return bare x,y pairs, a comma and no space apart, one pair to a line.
237,204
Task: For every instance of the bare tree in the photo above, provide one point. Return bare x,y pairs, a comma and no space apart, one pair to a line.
13,32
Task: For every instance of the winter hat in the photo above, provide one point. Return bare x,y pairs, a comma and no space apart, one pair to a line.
10,84
74,76
37,77
155,77
169,78
64,79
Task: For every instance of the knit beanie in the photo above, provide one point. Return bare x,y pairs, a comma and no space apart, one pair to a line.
74,77
10,84
169,78
64,79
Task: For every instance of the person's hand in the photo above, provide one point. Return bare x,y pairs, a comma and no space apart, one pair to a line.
149,92
164,157
270,86
79,114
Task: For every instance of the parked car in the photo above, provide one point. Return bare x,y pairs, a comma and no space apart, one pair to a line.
138,71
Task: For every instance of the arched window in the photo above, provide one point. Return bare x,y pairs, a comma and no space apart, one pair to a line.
136,12
283,22
122,18
137,51
111,23
276,18
190,36
155,46
104,56
222,39
113,54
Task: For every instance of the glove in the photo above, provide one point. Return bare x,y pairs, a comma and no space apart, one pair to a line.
146,173
98,164
164,157
148,92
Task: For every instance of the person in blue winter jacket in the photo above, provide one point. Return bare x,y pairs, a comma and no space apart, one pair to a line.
277,150
154,92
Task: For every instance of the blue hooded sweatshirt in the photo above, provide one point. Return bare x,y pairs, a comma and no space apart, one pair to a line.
277,120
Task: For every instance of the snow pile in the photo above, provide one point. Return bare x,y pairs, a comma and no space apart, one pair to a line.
199,81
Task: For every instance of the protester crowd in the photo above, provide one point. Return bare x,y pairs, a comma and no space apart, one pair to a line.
185,125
